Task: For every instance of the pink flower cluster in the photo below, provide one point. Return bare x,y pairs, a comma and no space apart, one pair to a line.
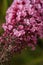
24,25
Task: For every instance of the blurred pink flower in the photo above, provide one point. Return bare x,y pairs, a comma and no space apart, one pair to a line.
24,25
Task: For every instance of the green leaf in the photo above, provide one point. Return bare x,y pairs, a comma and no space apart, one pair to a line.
4,7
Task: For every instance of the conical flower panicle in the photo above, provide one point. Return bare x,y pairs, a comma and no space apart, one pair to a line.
23,26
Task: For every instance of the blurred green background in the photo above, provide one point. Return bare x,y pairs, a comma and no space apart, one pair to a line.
27,57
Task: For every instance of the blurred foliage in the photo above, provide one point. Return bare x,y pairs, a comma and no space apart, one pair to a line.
27,57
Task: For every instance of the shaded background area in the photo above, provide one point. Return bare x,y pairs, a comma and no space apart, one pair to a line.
27,57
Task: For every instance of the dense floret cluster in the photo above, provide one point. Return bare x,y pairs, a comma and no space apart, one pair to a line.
23,26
